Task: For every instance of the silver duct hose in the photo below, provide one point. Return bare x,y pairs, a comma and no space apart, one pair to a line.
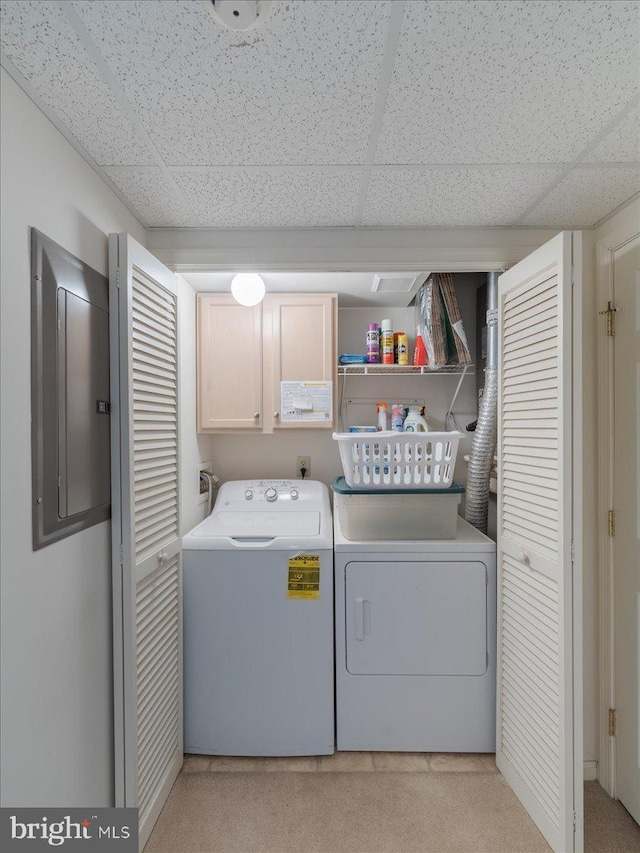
483,447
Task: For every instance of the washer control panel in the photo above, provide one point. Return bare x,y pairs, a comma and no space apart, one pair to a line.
272,490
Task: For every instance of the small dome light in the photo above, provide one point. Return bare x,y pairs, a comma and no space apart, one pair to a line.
247,288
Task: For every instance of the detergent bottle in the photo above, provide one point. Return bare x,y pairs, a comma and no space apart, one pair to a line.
414,422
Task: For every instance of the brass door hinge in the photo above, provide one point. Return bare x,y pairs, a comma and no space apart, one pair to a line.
612,722
611,319
611,522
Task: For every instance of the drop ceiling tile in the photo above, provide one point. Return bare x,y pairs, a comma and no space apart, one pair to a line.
507,82
300,89
622,144
37,39
151,198
584,197
455,197
271,198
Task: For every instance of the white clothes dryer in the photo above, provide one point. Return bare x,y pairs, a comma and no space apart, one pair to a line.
416,643
258,622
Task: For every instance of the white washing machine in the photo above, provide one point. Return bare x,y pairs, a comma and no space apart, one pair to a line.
258,622
416,643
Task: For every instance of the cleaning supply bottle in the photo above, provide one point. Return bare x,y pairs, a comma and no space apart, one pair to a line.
414,421
397,417
382,417
403,348
387,342
373,344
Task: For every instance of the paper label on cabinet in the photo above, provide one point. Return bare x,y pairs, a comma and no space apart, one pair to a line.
304,576
302,402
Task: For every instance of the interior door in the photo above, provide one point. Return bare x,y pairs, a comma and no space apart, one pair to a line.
147,570
539,728
626,543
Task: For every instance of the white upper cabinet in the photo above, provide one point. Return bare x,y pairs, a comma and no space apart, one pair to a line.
244,354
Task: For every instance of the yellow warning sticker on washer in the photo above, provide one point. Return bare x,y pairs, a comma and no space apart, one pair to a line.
304,576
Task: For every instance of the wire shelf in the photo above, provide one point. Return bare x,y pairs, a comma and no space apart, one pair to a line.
403,370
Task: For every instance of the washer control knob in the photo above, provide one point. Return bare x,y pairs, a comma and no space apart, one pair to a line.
294,494
248,494
271,494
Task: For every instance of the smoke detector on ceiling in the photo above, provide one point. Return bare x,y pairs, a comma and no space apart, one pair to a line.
239,14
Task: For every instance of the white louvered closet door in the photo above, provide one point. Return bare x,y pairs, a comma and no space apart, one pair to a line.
146,533
539,732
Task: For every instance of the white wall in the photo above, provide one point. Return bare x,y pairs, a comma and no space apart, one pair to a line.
244,457
57,747
194,448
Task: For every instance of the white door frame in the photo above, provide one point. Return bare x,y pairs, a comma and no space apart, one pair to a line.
605,250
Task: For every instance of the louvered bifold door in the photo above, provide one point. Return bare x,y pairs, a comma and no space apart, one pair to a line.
535,725
147,558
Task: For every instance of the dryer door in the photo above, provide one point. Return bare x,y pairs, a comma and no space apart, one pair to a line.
416,618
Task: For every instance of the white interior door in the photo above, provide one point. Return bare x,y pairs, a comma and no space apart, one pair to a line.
626,543
539,727
147,570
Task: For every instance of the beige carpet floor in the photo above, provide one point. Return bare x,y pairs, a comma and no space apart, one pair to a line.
608,826
383,812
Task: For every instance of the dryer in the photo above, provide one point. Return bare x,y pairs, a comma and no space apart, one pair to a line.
416,643
258,622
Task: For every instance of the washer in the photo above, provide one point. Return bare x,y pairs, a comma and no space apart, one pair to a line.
258,622
416,643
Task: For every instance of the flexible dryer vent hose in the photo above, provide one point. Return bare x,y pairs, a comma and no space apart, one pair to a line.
483,447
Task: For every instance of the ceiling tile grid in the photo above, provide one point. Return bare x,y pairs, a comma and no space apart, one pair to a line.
298,90
279,198
585,196
494,115
451,197
622,144
37,39
521,81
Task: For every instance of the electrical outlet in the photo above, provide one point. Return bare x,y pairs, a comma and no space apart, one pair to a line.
202,484
303,462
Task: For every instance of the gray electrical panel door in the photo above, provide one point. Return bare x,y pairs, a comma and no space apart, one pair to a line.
83,395
69,393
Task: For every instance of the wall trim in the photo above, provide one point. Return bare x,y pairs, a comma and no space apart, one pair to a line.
622,229
345,249
590,771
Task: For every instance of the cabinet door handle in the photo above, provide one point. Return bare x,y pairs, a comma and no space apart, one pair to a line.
276,414
256,415
524,558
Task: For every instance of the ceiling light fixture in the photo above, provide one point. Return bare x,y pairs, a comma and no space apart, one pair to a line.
239,14
247,288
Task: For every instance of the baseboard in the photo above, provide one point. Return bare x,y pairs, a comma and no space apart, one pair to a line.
590,771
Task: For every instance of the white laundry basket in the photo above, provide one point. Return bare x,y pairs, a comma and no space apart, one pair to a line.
398,460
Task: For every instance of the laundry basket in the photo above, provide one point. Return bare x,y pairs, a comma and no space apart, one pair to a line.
398,460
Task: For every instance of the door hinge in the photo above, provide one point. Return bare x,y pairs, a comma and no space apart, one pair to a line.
613,722
121,554
611,319
573,551
611,522
575,821
573,276
118,277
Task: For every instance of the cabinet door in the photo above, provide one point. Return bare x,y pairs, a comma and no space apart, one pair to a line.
229,364
299,345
